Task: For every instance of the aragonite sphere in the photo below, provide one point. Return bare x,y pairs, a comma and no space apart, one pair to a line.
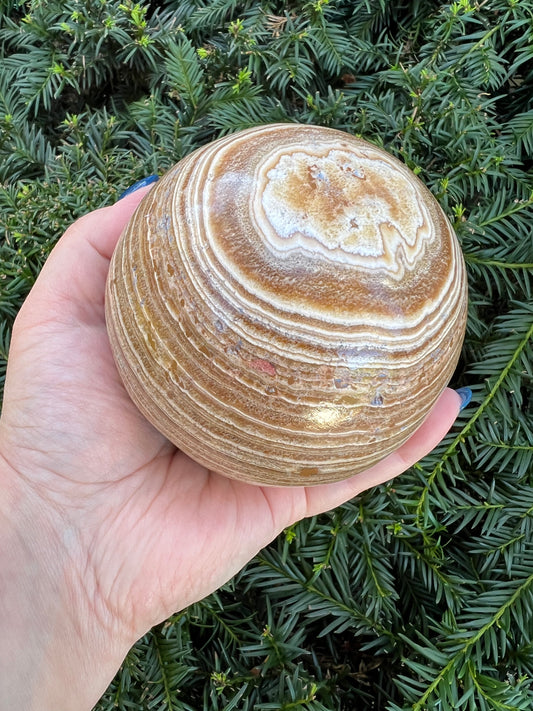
287,304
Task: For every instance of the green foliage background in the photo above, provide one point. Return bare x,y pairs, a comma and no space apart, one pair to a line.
418,594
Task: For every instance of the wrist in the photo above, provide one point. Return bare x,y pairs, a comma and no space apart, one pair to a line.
56,652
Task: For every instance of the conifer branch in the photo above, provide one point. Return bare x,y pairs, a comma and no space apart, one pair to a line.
469,426
469,642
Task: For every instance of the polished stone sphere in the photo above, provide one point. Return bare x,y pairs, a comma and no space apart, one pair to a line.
287,304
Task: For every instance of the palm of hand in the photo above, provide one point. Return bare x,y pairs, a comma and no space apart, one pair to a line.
149,530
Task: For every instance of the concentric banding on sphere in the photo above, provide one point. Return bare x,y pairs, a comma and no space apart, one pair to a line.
287,304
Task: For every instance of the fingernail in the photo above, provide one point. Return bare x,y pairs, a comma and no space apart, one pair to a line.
466,395
140,184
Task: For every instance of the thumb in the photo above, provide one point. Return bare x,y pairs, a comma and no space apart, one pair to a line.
71,285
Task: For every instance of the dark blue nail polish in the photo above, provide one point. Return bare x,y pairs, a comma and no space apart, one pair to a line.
140,184
466,395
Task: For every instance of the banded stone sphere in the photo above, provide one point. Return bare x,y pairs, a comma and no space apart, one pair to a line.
287,304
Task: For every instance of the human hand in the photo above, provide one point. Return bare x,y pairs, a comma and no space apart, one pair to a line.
117,528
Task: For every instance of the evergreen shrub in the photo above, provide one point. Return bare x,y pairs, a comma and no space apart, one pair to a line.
418,594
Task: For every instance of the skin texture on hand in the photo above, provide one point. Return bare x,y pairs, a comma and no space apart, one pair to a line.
106,528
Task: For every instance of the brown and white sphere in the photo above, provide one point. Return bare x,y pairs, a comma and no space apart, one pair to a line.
287,304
